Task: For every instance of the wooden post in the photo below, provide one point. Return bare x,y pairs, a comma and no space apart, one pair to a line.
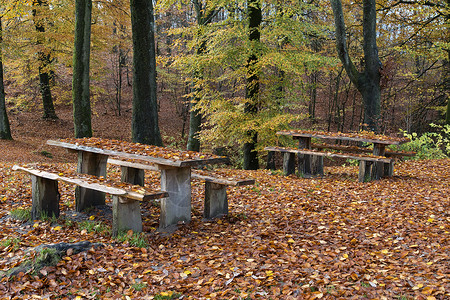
288,163
378,167
304,160
45,197
126,215
132,175
177,207
216,203
92,164
365,171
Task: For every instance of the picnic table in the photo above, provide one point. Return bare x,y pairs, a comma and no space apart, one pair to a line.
371,166
175,167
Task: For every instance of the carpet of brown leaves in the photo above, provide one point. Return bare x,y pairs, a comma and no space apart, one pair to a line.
285,238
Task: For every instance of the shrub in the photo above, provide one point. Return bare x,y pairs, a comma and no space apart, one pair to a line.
430,145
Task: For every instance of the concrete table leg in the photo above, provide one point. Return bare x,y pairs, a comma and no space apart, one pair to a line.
126,215
216,202
389,169
132,175
177,207
45,197
304,160
317,165
365,170
378,167
92,164
288,163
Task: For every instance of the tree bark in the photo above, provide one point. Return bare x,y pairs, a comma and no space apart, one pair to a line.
5,131
195,117
252,87
368,81
145,128
80,81
44,58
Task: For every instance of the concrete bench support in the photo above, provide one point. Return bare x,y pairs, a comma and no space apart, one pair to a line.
45,197
216,202
126,215
132,175
92,164
177,207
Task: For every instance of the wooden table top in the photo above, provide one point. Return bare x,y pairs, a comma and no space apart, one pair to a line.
364,136
153,154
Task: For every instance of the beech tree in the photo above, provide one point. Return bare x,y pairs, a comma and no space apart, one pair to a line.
145,127
5,131
80,81
44,58
367,81
252,85
204,15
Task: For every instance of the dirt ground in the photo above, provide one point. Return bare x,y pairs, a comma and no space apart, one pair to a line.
30,132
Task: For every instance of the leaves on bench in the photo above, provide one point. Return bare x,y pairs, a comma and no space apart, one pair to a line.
140,149
129,189
361,136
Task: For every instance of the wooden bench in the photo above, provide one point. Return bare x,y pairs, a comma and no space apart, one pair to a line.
126,197
216,183
367,171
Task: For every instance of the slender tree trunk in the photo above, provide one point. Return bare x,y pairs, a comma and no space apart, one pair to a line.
195,117
447,85
5,131
80,81
252,86
44,58
145,128
368,81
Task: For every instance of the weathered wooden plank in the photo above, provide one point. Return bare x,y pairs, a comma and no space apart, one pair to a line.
143,166
80,181
360,149
339,137
151,159
328,154
231,182
132,164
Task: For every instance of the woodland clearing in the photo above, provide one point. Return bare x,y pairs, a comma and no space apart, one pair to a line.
285,237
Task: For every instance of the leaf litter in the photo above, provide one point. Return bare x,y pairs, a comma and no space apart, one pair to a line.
284,238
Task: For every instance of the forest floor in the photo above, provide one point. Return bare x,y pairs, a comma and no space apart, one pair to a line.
285,237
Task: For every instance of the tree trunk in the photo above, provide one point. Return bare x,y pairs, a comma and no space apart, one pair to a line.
5,131
145,128
447,86
44,58
195,117
80,81
252,86
368,81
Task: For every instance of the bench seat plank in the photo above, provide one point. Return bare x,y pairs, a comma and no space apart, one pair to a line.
88,181
218,178
215,176
330,154
360,149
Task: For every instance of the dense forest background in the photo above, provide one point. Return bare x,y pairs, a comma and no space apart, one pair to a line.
208,63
